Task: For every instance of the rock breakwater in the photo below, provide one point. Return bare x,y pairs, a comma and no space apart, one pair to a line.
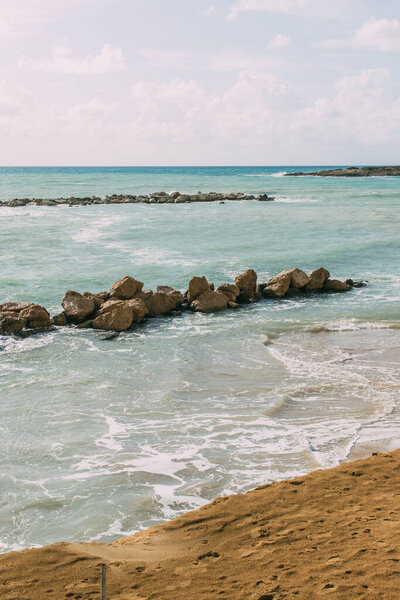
127,303
154,198
352,172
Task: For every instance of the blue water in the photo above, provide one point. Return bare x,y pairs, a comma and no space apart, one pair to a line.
99,438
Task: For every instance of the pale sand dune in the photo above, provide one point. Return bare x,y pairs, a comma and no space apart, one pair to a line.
331,534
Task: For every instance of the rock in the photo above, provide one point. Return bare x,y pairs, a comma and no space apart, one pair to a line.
210,301
119,318
76,306
35,316
60,319
232,305
10,325
298,279
356,284
14,306
109,336
126,288
334,285
138,307
86,324
176,294
245,298
260,287
161,303
98,301
230,290
197,286
247,282
278,285
317,279
109,305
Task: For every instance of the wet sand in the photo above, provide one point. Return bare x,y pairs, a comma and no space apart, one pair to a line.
330,534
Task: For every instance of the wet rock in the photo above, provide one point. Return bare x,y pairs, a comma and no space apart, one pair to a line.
126,288
278,285
11,324
118,318
86,324
197,286
247,282
232,305
35,316
60,319
97,300
298,279
210,301
161,303
109,336
245,298
334,285
138,307
77,307
14,306
317,279
230,290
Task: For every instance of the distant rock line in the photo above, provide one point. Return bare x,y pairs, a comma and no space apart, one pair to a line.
352,172
155,198
126,304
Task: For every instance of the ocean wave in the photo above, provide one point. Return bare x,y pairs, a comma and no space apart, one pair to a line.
274,174
294,200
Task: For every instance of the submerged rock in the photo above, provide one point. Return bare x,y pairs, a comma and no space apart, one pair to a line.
334,285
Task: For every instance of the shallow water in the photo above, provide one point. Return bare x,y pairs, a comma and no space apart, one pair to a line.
101,438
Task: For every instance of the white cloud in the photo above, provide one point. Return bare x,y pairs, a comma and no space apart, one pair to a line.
279,41
210,11
313,8
378,34
110,59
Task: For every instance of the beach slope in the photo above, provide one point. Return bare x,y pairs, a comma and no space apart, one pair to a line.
330,534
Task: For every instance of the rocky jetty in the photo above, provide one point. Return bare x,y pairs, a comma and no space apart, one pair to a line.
127,303
155,198
352,172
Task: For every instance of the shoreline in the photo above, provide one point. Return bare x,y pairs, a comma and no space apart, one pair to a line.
330,533
153,198
393,171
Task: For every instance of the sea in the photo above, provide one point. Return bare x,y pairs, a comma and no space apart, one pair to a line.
101,438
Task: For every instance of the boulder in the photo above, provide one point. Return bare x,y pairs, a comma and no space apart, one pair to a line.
125,288
176,294
298,279
109,305
60,319
98,300
197,286
161,303
35,316
119,318
14,306
317,279
233,305
77,307
11,324
334,285
247,282
138,307
210,301
278,285
230,290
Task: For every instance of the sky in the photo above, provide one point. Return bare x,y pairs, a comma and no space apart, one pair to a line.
193,82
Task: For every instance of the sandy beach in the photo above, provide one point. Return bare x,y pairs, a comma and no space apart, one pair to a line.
330,534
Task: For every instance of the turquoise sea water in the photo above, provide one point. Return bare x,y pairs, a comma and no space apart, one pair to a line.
101,438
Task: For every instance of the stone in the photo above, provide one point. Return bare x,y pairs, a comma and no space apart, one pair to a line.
98,301
197,286
210,301
161,303
109,305
232,305
230,290
35,316
317,279
14,306
334,285
126,288
60,319
176,294
247,282
138,307
77,307
278,285
10,325
119,318
86,324
245,297
298,279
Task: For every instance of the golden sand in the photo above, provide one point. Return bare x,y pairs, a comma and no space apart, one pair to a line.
332,534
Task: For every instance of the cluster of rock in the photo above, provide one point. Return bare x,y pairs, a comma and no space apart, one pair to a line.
155,198
353,172
126,304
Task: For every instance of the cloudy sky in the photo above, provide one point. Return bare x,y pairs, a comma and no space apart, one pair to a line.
194,82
